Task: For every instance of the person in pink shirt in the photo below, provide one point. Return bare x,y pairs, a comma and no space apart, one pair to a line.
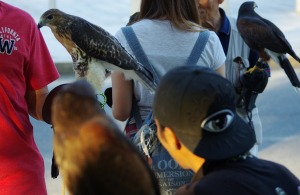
26,69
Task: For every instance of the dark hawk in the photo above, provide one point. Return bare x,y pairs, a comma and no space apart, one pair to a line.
264,37
93,50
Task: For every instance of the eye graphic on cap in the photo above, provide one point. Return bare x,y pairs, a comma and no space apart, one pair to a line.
218,121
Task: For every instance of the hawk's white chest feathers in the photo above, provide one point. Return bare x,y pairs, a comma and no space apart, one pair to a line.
95,75
88,68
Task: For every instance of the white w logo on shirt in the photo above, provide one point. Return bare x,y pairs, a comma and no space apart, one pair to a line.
6,46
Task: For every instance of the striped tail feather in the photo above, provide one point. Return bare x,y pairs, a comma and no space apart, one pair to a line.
142,74
146,81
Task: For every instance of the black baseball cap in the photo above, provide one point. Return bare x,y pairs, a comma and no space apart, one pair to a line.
198,104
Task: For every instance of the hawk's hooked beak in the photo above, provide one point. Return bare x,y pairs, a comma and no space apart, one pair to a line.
255,6
40,24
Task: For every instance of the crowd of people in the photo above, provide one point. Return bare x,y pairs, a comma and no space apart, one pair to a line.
195,110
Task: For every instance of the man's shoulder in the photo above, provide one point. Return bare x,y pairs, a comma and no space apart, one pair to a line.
214,182
12,10
232,21
231,17
146,23
188,189
261,175
210,184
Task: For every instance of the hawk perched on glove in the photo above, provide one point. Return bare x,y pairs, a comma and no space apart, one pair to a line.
93,50
266,38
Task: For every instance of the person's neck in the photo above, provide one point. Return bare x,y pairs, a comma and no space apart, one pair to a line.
196,163
214,22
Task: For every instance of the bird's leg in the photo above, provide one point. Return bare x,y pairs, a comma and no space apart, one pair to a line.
256,67
260,63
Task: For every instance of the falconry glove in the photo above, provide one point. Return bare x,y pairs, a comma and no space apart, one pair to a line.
253,82
256,80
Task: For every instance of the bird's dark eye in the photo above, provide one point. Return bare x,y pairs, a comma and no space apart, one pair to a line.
218,121
50,17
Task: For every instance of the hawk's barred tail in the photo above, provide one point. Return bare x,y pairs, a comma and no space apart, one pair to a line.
146,81
290,72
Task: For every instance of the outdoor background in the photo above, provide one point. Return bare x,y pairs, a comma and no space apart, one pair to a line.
278,105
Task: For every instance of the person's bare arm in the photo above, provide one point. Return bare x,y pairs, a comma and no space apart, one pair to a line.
221,70
121,95
35,101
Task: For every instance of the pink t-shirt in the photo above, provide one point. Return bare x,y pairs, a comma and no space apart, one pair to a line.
25,64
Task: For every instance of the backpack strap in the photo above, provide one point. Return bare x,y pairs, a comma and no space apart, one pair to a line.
142,58
138,50
135,113
198,48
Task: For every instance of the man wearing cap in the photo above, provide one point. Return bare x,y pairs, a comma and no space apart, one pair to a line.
194,109
239,58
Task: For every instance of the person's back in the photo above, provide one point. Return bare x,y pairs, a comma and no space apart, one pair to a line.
168,47
169,33
167,38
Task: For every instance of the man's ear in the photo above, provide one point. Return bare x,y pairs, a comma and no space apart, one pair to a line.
167,136
172,139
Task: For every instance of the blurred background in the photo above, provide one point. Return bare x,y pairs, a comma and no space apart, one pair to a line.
279,105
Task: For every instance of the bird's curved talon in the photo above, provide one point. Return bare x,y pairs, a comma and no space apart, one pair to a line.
253,69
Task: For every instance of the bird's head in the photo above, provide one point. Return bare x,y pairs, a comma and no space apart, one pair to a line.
247,7
254,5
51,18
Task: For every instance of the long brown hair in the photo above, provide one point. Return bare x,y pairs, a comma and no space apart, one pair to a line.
184,14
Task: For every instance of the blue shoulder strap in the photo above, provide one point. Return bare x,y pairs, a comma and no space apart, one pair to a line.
138,50
142,58
198,48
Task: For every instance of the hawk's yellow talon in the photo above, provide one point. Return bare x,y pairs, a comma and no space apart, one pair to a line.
252,69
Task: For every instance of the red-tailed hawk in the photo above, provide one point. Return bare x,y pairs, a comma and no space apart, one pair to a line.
93,50
263,36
